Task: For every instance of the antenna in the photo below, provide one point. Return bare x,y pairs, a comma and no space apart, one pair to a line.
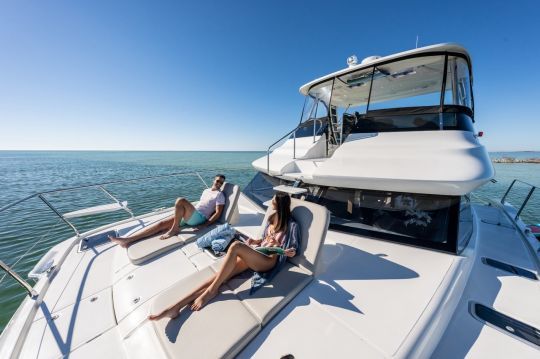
416,41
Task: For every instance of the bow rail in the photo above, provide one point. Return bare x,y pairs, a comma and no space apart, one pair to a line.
65,217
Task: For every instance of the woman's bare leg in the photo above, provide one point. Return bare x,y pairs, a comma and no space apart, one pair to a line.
160,226
183,209
172,312
253,259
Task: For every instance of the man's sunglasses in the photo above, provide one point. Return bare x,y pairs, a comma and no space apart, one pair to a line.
220,181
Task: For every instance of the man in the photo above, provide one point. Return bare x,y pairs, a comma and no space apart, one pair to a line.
207,211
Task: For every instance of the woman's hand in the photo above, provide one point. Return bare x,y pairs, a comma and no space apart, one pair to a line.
291,252
251,241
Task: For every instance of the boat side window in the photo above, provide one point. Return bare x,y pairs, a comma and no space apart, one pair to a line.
306,129
458,83
465,223
397,120
408,83
417,219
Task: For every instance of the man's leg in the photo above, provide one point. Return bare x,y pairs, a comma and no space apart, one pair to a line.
183,209
160,226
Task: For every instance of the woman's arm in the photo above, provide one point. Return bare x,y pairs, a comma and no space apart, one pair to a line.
251,241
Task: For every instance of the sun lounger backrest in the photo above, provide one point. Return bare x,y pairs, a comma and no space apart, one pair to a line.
231,192
313,220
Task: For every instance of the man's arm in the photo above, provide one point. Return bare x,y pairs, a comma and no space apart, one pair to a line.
214,217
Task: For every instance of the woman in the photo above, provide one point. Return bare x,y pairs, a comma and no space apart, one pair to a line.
242,256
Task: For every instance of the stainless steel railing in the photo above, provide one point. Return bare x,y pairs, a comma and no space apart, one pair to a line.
101,186
525,201
293,131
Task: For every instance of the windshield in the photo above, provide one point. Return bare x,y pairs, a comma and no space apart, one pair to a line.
397,90
316,105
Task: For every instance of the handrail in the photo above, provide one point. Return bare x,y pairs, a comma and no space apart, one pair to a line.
273,144
302,124
33,294
94,185
525,201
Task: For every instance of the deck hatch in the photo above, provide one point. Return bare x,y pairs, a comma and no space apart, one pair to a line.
509,268
507,324
96,240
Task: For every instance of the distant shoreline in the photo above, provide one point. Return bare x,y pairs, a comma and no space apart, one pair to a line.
516,160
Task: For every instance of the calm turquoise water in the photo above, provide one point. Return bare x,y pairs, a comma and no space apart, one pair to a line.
31,228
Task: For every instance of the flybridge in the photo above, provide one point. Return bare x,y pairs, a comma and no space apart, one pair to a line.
398,123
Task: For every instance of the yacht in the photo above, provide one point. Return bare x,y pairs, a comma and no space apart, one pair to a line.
396,260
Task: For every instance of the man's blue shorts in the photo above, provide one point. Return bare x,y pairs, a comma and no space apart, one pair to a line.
195,219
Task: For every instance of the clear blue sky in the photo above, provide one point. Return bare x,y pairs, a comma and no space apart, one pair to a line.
156,75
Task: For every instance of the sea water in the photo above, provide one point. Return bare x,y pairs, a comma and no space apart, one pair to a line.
29,229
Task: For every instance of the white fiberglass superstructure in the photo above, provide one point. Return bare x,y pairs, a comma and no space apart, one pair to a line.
396,261
400,123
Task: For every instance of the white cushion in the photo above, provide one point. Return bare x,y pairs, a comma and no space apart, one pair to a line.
146,249
220,330
269,299
313,220
149,248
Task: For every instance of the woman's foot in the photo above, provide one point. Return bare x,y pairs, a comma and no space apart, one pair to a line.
170,233
170,312
121,241
203,299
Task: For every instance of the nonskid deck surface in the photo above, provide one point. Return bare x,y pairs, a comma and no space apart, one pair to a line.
369,297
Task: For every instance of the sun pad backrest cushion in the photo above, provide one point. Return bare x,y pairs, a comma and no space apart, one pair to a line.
231,192
313,220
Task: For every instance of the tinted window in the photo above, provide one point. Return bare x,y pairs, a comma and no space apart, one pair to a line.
374,122
317,125
417,219
465,223
260,189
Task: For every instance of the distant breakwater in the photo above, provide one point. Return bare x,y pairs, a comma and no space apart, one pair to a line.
516,160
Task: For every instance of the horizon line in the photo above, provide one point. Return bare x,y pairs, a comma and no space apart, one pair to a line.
110,150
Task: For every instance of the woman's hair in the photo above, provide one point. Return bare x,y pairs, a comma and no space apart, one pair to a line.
283,211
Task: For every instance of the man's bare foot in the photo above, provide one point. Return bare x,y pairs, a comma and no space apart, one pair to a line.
170,233
122,242
203,299
170,312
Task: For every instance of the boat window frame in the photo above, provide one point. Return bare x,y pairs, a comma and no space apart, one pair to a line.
442,106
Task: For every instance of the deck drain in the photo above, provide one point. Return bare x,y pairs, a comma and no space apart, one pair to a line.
136,300
130,277
55,316
93,299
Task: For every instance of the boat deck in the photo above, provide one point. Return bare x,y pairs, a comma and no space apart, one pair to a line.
373,298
